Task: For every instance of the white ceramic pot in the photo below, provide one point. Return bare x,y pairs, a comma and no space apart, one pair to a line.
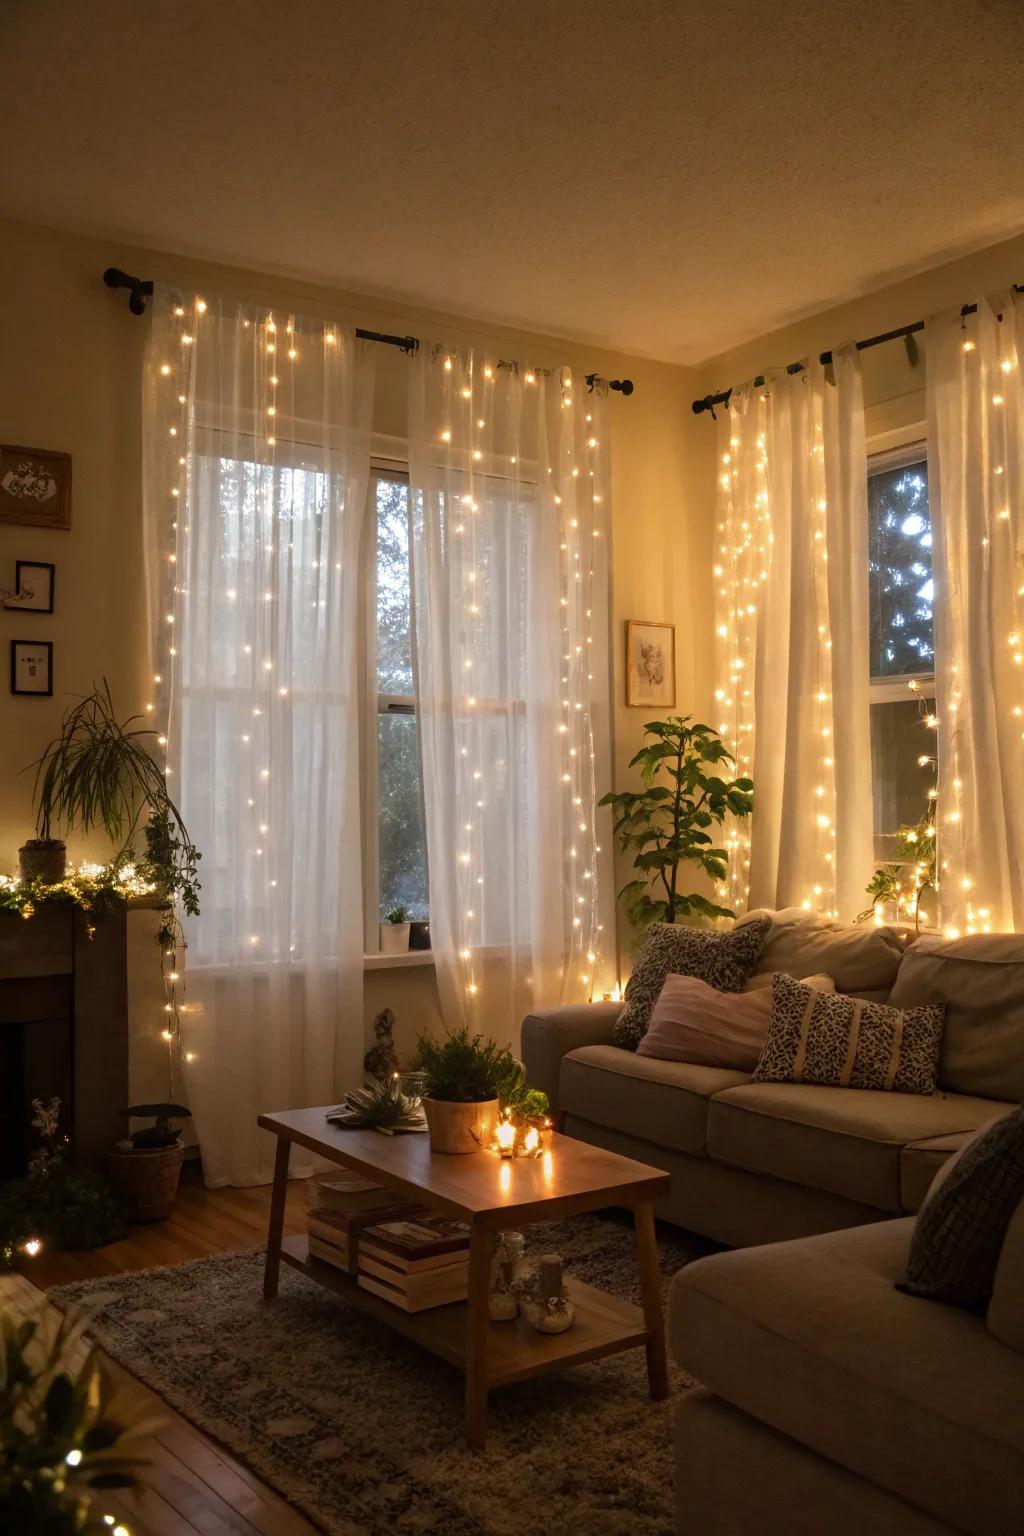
394,938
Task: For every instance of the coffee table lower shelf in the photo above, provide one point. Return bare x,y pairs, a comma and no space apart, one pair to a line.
604,1325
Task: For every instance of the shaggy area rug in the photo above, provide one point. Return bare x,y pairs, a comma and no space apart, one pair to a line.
362,1429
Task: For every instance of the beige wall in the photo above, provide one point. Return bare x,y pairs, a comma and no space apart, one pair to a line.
71,357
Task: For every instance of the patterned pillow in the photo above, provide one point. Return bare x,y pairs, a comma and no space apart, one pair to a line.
723,960
844,1042
958,1237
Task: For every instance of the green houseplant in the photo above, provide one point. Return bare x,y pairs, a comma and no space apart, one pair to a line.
666,825
145,1168
467,1080
394,931
56,1204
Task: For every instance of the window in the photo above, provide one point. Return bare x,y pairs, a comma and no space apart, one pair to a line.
397,865
901,641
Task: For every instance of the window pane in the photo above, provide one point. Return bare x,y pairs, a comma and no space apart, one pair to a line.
402,843
898,740
394,642
900,534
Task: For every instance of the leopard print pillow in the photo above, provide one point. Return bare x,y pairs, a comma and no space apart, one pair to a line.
844,1042
724,960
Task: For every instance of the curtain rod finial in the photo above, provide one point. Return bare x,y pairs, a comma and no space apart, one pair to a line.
140,288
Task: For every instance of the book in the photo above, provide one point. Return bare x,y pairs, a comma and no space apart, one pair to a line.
330,1253
416,1240
405,1266
411,1303
430,1281
347,1222
347,1192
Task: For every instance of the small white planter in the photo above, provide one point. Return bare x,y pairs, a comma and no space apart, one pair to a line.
394,938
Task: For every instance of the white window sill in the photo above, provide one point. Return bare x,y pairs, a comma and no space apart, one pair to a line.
397,962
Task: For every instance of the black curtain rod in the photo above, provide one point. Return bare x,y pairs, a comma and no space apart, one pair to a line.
140,289
709,402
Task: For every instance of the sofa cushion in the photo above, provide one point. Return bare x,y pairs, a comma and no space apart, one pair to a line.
694,1022
921,1160
959,1233
723,960
844,1140
665,1102
1006,1309
981,981
860,957
813,1338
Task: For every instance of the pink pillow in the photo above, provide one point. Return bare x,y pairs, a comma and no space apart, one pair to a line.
694,1022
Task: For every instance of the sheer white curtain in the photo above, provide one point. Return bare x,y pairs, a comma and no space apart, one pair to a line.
791,578
976,489
257,451
510,509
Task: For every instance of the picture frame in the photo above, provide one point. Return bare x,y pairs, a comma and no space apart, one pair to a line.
35,487
34,582
32,668
650,664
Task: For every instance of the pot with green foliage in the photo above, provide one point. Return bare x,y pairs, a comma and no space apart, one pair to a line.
394,932
667,824
467,1081
145,1168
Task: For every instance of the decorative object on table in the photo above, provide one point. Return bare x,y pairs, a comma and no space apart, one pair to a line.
543,1298
56,1205
503,1303
650,664
725,961
415,1265
381,1060
847,1042
65,1434
465,1078
419,934
144,1168
340,1206
666,825
394,932
32,668
35,487
959,1233
380,1106
33,587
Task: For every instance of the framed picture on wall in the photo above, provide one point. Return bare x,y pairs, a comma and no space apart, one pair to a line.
33,587
35,487
650,664
32,667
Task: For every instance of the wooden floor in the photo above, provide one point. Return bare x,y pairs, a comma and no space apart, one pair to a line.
192,1486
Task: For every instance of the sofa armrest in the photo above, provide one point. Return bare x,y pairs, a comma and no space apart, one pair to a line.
549,1033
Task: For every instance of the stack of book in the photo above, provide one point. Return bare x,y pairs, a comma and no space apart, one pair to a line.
415,1264
341,1205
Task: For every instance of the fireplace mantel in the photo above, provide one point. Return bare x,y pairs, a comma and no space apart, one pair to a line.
65,995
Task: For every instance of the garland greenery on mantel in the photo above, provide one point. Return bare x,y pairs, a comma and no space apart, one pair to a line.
90,887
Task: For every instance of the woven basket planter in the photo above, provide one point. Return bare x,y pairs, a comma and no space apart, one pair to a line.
146,1180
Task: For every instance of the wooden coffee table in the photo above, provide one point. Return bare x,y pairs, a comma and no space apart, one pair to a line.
489,1195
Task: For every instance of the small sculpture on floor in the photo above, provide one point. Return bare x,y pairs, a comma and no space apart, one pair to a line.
381,1060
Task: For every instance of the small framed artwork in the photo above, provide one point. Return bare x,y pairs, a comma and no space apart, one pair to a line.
33,587
650,664
35,487
32,667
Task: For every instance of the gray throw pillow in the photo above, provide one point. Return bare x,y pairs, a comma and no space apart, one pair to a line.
724,960
846,1042
958,1237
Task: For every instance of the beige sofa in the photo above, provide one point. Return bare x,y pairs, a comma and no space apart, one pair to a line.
756,1163
834,1403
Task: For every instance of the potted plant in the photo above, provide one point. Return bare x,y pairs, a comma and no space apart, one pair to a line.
667,825
394,932
467,1080
145,1168
98,772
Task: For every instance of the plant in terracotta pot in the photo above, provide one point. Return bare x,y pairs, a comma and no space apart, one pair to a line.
467,1080
146,1166
394,932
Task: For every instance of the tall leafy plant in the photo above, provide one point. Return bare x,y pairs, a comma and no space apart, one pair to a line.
668,824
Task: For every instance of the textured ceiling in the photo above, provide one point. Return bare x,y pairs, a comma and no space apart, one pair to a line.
669,179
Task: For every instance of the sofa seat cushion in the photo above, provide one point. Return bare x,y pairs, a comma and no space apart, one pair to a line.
844,1140
812,1338
664,1102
